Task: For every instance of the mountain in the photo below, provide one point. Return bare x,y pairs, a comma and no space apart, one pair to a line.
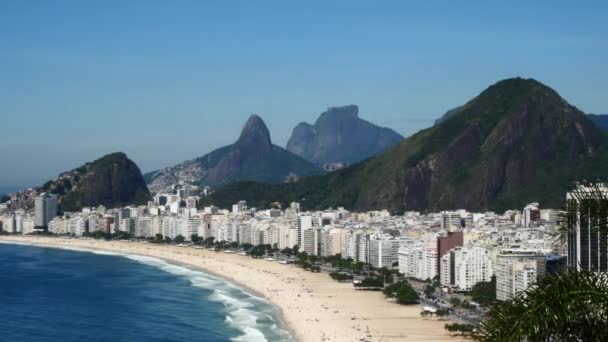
447,115
340,136
112,181
251,157
600,120
516,142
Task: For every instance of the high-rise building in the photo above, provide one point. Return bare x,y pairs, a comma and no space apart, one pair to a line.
463,267
516,270
383,253
45,208
587,244
446,242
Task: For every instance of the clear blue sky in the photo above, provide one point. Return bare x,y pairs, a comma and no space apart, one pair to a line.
166,81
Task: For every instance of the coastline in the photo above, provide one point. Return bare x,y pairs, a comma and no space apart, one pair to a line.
309,306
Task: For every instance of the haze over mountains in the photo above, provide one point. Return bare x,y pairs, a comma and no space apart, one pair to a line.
251,157
516,142
340,136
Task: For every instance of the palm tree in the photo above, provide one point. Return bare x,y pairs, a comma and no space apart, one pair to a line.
569,306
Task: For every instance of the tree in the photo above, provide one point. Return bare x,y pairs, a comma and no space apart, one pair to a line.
484,292
407,295
168,239
180,239
158,238
195,239
568,306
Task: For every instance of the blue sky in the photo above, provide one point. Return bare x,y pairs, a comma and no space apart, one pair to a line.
166,81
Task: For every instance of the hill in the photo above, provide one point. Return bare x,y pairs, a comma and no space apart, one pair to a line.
516,142
251,157
112,181
340,136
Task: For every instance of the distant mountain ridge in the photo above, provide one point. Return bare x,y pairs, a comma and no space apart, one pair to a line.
600,120
251,157
517,142
340,136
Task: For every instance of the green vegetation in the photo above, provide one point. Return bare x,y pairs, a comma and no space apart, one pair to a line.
403,292
111,181
99,234
373,282
466,330
570,306
484,293
341,277
180,239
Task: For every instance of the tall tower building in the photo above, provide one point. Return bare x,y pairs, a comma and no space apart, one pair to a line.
45,208
587,212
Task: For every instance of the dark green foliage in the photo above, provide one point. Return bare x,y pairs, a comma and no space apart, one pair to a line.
570,306
180,239
403,292
341,277
98,234
374,282
460,329
484,293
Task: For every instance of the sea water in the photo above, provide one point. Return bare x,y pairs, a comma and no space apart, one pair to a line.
50,294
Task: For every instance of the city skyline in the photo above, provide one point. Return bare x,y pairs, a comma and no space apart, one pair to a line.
165,84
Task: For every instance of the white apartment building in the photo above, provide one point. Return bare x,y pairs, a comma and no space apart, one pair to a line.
383,253
511,261
418,259
463,267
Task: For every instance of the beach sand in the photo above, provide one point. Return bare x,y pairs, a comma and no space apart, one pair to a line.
313,306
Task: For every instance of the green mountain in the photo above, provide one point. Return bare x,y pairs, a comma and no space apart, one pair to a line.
516,142
251,157
112,181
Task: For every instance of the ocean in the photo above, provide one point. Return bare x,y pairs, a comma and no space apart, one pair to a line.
53,295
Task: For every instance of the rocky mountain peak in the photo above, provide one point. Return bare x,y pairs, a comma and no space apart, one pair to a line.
336,114
340,136
255,133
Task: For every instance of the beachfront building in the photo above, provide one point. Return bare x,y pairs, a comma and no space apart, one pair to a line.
463,267
383,252
418,258
516,270
45,209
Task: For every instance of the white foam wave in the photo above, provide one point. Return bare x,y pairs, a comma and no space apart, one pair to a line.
251,335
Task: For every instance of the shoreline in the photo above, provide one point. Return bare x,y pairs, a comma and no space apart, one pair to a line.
309,306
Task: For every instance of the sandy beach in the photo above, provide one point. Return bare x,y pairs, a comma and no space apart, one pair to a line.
313,306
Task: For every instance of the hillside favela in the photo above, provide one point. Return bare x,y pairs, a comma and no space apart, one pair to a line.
328,171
